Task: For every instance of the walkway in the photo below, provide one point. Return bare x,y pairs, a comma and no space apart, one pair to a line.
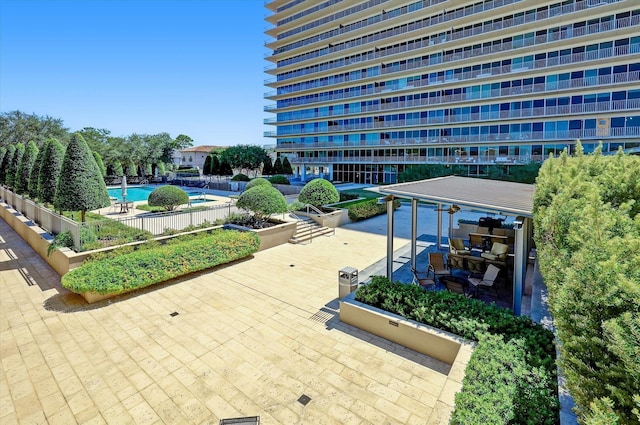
242,340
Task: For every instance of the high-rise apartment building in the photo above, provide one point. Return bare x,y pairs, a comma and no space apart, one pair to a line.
364,89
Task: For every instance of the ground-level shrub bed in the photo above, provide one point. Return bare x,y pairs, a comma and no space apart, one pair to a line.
368,208
511,377
140,268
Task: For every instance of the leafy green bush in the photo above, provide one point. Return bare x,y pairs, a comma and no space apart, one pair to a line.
346,196
367,208
279,179
587,230
263,201
257,182
530,402
61,240
240,178
141,268
168,197
319,192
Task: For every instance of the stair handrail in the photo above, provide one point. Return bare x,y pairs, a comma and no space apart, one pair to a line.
316,210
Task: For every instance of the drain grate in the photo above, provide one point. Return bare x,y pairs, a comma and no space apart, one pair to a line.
174,314
249,420
323,315
304,399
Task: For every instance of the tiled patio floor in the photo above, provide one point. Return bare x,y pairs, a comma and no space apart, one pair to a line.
248,340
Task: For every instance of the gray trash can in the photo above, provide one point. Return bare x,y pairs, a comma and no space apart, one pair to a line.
347,281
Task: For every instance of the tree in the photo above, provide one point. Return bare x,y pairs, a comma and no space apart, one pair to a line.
81,186
35,173
225,168
215,165
101,166
286,166
206,168
3,152
97,139
263,200
50,171
13,166
23,172
18,127
245,157
267,167
180,142
168,197
277,166
161,169
6,163
319,192
117,169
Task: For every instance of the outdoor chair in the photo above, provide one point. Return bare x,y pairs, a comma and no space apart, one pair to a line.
456,246
487,281
422,278
456,285
476,241
475,265
456,261
437,265
497,255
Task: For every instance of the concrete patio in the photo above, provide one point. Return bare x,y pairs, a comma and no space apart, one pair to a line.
248,339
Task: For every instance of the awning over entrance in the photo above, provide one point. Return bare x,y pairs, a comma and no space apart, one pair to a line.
504,198
491,196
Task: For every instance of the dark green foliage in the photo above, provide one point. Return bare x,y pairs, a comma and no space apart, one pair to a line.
267,167
345,196
35,173
225,168
23,172
162,171
141,268
286,166
257,182
61,240
80,186
245,157
516,173
526,395
131,170
49,172
587,231
277,166
117,169
3,152
18,127
206,168
240,178
100,164
215,166
6,163
427,171
278,179
263,200
368,208
319,192
13,166
168,197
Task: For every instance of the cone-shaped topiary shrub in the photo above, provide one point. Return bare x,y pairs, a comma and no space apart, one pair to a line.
81,186
35,174
13,166
50,171
6,160
23,172
319,192
168,197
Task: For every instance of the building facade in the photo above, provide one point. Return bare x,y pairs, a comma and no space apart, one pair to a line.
364,89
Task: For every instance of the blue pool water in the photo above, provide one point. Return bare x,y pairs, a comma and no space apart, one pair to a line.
138,193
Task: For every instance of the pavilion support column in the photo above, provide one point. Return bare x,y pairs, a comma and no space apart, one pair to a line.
389,201
522,229
414,232
439,231
450,232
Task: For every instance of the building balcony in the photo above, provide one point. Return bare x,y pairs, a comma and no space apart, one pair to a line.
421,159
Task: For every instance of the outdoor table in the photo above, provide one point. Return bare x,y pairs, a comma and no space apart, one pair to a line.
487,239
124,206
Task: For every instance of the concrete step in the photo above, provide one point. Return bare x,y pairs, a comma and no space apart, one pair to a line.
307,230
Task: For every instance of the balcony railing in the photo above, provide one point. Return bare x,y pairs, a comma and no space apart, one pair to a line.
593,55
421,159
600,81
439,59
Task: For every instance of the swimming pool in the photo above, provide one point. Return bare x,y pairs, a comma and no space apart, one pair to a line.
139,193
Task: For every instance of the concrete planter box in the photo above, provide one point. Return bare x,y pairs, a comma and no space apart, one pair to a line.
271,236
333,219
432,342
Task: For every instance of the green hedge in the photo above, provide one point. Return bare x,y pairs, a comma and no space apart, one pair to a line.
528,393
141,268
368,208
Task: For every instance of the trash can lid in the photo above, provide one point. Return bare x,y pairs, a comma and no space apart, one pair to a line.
348,270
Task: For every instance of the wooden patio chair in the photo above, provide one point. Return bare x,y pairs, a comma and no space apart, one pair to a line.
437,265
422,278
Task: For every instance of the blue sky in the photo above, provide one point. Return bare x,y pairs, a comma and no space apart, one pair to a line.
193,67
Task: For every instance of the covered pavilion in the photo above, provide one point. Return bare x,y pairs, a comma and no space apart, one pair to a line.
453,192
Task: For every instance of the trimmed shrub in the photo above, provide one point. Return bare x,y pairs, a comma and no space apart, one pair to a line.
319,192
263,201
277,166
286,166
32,188
279,179
240,178
6,161
368,208
533,399
168,197
257,182
50,171
141,268
13,166
162,171
80,186
100,163
23,172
